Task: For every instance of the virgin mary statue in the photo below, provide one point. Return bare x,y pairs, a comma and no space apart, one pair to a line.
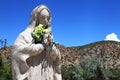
30,60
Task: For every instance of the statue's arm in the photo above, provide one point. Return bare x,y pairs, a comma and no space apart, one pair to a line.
24,44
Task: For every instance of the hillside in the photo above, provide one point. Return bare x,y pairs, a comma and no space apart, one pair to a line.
109,51
106,52
5,54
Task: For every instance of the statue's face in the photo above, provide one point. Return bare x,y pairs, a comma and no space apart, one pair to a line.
44,17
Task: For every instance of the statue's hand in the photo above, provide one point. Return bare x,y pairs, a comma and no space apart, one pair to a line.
48,40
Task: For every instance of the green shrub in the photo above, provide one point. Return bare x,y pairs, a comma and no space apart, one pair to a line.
5,70
66,73
111,73
87,68
90,69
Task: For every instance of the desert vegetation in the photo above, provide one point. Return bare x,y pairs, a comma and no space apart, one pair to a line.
95,61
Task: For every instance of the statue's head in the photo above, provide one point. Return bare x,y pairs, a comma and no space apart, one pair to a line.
41,15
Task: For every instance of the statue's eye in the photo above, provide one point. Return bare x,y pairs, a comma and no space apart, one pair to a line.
48,18
43,17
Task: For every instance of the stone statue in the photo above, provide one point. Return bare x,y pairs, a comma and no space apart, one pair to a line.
30,60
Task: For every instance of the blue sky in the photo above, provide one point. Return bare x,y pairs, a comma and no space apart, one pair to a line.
74,22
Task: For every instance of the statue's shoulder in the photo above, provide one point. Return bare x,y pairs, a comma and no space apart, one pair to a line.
25,33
